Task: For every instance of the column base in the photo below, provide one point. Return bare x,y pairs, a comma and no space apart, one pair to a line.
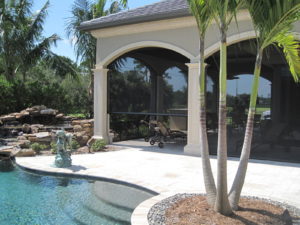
192,149
98,137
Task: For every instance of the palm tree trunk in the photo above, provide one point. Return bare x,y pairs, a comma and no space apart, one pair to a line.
209,182
222,203
236,189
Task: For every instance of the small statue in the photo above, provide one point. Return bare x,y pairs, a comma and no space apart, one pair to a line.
63,155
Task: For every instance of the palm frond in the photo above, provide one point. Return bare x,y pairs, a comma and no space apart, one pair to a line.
63,66
84,42
224,11
124,3
271,18
291,47
98,9
114,7
202,13
36,24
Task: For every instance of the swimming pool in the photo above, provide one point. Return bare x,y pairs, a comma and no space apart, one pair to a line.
31,199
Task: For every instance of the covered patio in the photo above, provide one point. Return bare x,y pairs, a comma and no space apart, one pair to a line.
160,37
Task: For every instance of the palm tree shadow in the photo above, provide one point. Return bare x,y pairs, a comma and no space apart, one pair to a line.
285,216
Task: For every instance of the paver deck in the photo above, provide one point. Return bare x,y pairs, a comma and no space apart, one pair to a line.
168,170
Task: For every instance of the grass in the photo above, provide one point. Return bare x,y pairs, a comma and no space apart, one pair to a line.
78,115
260,110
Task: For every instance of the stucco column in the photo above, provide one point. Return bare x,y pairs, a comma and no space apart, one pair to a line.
100,104
193,135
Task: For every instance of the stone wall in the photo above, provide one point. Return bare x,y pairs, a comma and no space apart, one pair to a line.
23,126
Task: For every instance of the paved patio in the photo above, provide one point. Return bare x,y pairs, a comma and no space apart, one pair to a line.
168,170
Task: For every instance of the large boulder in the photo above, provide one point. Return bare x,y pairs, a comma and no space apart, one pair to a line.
26,128
32,139
21,138
8,118
77,128
81,138
36,127
24,113
59,116
19,116
48,112
24,144
43,137
25,153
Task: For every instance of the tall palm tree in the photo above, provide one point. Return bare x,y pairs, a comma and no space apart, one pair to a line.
21,41
203,15
273,22
84,42
224,12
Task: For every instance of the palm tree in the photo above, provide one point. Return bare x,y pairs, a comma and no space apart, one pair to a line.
204,16
224,11
273,22
21,41
84,42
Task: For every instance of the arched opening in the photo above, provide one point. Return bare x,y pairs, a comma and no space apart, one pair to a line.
276,128
144,84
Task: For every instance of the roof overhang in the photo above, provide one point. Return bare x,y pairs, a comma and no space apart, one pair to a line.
92,25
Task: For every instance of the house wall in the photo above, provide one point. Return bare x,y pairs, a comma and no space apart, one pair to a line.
179,35
182,38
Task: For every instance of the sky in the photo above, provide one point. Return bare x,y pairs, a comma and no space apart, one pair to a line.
58,13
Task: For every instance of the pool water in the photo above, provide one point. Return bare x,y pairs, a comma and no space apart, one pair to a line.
32,199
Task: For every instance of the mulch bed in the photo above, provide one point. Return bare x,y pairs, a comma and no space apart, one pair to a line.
192,209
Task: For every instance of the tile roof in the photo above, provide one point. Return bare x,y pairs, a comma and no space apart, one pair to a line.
166,9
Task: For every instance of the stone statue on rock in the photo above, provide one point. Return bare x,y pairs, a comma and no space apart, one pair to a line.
63,154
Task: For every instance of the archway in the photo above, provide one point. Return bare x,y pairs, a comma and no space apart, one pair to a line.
276,132
144,84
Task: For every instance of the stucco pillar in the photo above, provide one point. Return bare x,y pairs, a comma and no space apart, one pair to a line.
193,135
100,104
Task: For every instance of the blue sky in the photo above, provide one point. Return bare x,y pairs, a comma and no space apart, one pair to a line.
58,13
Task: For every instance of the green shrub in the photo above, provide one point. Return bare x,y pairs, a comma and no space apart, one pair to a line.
98,145
74,145
53,146
38,147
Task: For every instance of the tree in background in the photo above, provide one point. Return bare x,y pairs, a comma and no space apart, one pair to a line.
30,73
21,42
84,42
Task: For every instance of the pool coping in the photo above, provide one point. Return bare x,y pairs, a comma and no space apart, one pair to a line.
86,177
140,215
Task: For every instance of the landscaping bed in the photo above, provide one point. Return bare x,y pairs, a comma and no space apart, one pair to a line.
192,209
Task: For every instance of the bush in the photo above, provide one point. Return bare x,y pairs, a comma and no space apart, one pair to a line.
53,147
74,145
98,145
38,147
7,100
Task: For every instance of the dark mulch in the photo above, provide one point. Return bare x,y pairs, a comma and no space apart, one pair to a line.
196,211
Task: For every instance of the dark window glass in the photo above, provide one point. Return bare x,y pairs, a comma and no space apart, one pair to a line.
172,91
238,99
129,86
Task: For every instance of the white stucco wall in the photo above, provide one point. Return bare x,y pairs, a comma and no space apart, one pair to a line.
182,39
